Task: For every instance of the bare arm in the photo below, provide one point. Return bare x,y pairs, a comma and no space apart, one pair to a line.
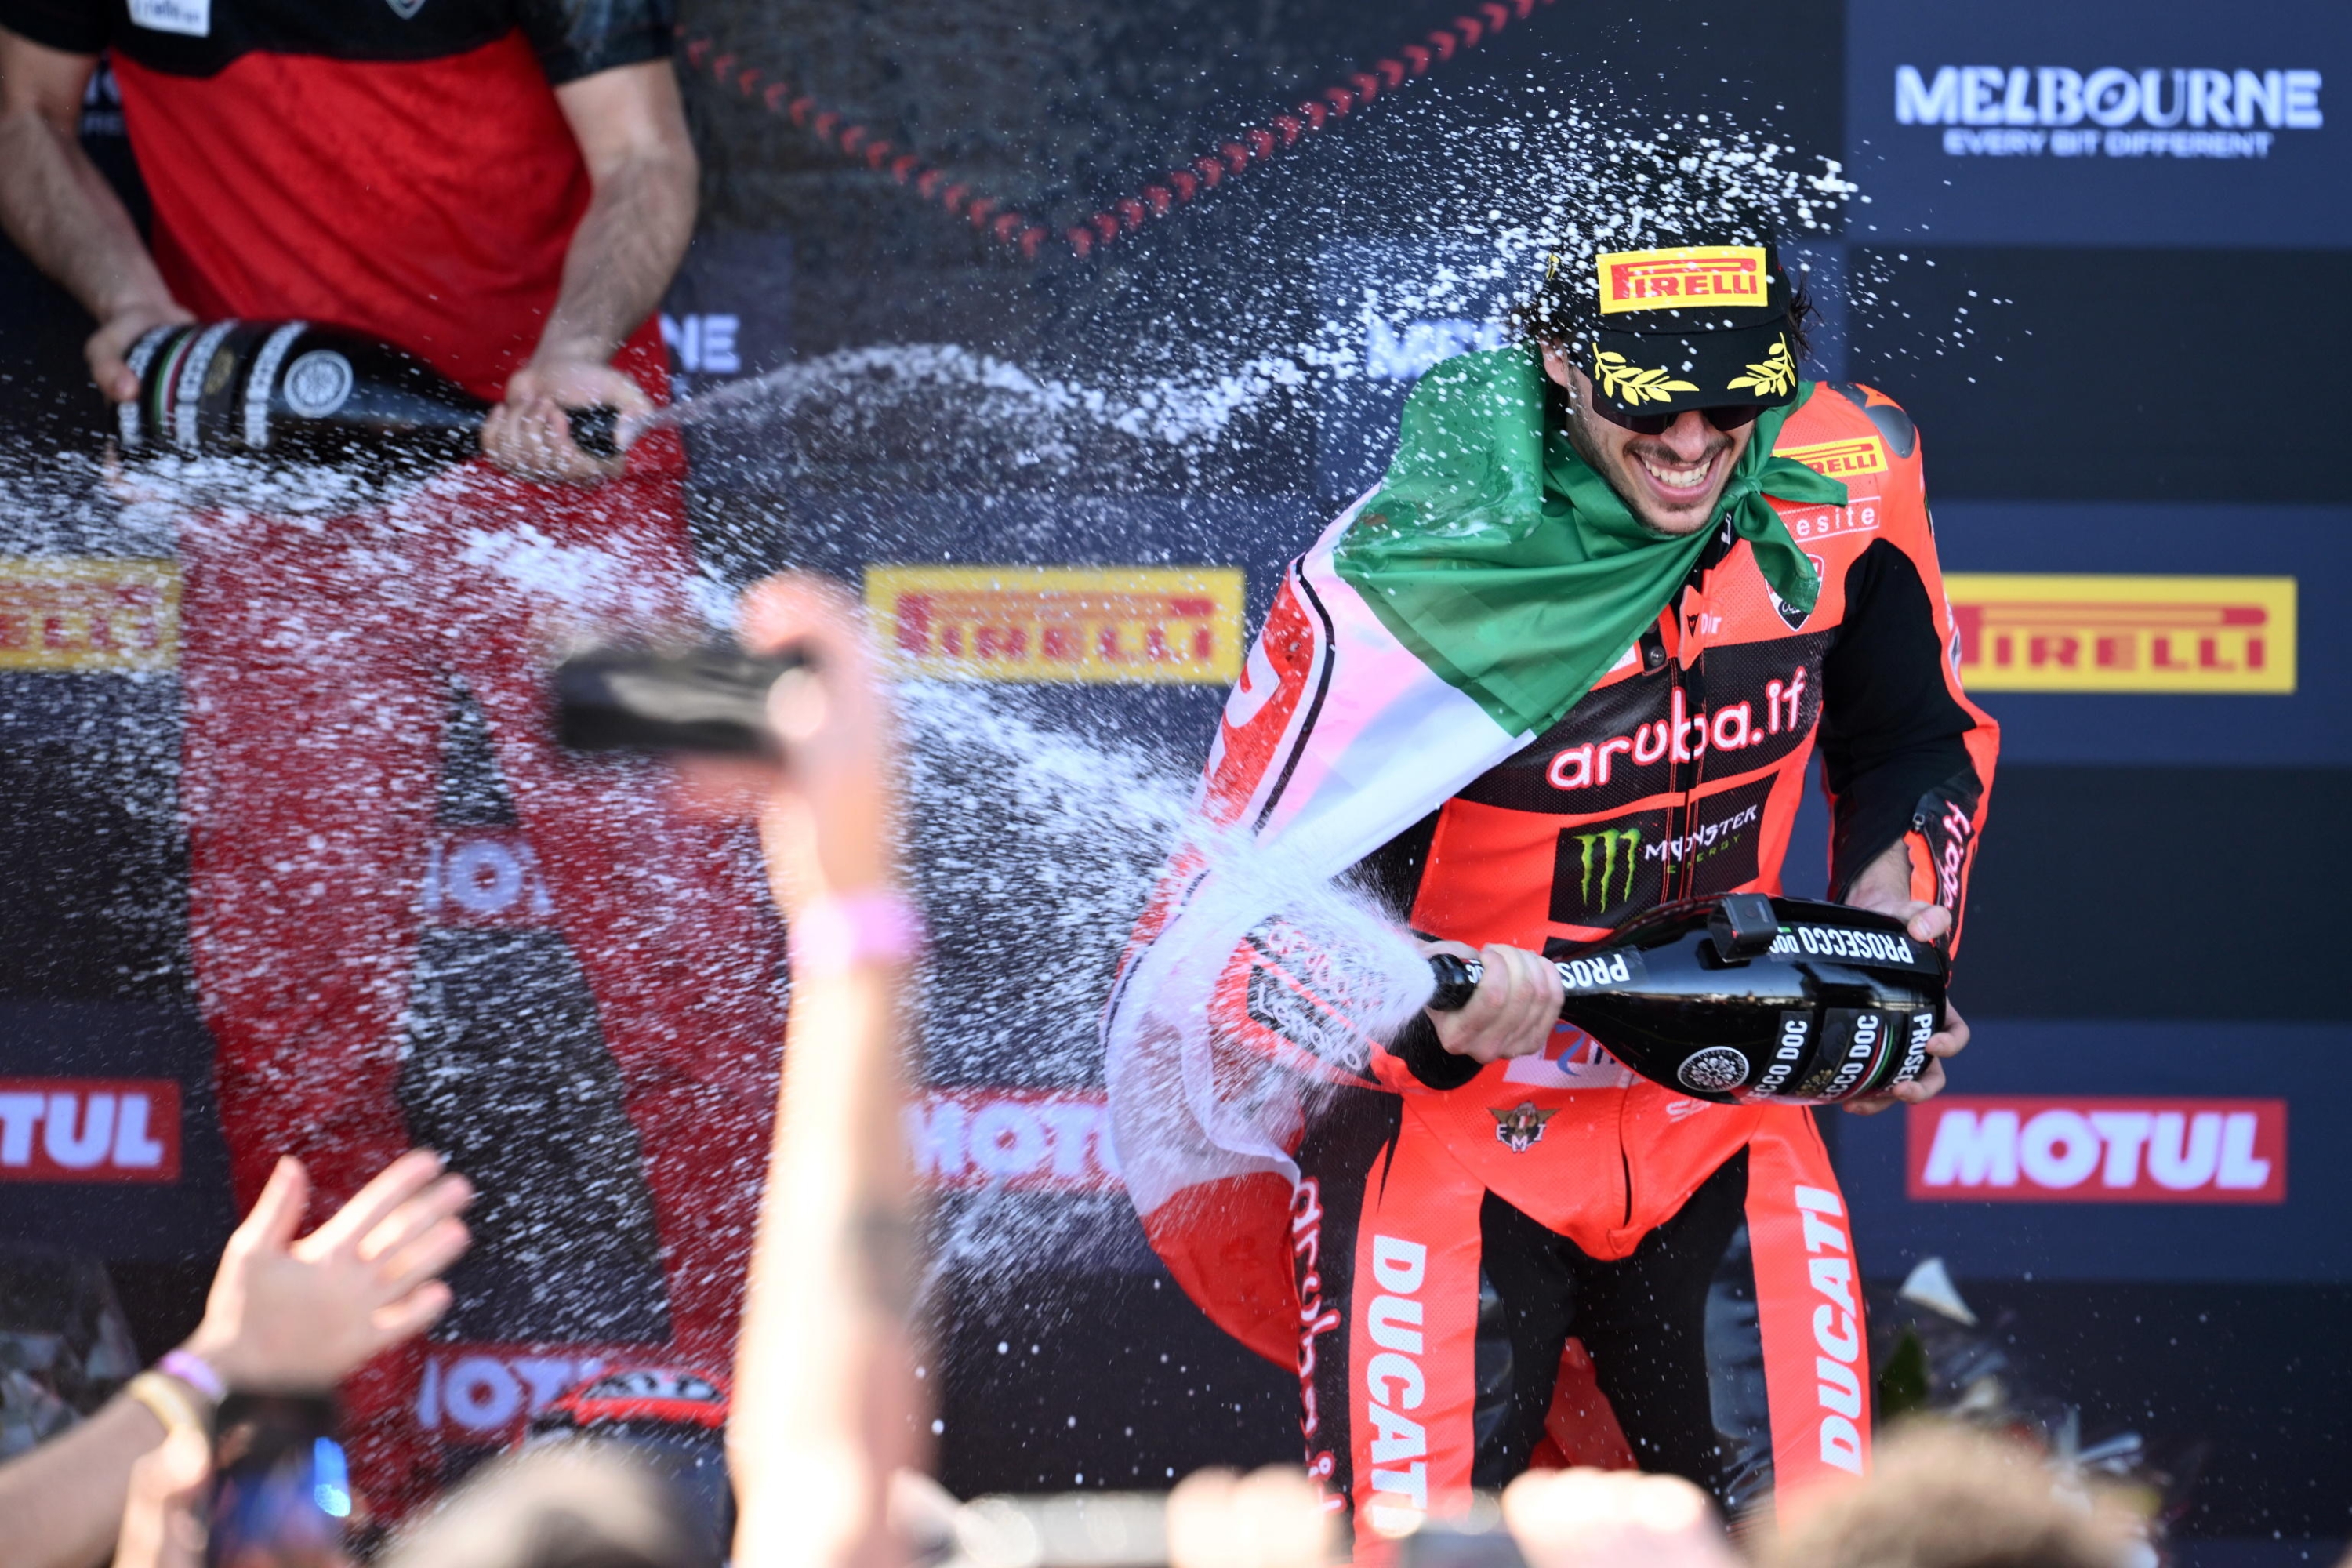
63,214
630,128
282,1313
824,1396
62,1502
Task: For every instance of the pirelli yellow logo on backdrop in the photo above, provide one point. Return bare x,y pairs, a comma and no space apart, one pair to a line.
1158,624
68,613
2022,632
1852,459
1682,277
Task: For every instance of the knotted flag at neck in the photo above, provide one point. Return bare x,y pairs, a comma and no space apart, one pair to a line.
1511,569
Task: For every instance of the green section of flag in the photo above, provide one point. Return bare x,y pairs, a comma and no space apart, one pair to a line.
1509,567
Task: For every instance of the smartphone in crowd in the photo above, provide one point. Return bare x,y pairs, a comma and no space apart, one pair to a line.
281,1488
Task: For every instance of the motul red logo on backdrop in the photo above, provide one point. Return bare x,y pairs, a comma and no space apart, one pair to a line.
467,1393
89,1130
2061,1148
1014,1138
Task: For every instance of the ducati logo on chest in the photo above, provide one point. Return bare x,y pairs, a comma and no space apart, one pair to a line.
1521,1128
405,10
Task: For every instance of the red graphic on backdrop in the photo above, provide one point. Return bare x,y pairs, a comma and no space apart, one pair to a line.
2068,1149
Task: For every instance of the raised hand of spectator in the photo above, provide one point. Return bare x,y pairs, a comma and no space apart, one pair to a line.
831,831
825,1400
163,1516
1613,1519
288,1312
1271,1517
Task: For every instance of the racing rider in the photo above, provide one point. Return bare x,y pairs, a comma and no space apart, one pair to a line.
1571,660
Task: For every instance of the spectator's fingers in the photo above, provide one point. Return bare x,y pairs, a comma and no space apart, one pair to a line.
800,607
278,1212
425,1257
1596,1519
161,1524
1280,1513
392,1186
1201,1524
1667,1505
411,1315
447,1196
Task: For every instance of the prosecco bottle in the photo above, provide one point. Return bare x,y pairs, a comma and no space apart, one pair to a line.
308,393
1750,1000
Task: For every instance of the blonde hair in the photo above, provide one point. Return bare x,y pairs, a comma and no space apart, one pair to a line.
1948,1497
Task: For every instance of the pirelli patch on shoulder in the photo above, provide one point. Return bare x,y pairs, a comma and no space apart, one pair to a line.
1856,457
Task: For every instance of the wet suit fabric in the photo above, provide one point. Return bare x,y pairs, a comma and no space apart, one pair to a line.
1678,773
407,170
1444,1332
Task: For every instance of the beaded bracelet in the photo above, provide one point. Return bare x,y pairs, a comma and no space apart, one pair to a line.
195,1371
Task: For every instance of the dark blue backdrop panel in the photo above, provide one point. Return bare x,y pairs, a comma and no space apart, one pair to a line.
189,1217
2019,122
2307,1238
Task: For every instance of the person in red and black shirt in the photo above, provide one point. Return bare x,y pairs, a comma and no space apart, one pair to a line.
505,188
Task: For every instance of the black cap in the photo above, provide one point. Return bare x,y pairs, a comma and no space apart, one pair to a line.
1684,326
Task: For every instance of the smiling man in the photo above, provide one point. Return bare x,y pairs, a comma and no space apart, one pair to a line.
1571,660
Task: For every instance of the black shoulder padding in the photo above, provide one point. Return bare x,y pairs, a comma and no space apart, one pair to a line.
1894,427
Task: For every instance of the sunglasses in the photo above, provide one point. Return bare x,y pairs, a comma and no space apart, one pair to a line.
1732,416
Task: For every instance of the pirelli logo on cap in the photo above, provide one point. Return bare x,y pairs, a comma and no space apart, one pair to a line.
1854,459
1679,279
63,613
1152,625
2020,632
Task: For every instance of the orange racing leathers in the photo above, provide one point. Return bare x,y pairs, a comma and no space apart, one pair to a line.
1481,1254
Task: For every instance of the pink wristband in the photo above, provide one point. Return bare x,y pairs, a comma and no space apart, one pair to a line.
195,1371
836,934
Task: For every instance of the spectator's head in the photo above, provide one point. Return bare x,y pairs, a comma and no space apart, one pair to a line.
582,1504
1945,1497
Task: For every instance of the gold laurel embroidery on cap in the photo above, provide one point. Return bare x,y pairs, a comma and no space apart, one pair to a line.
1773,377
1628,383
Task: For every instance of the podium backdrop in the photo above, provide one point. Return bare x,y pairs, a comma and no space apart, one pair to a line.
2106,261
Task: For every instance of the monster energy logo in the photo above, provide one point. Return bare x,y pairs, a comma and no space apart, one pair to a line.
1608,842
